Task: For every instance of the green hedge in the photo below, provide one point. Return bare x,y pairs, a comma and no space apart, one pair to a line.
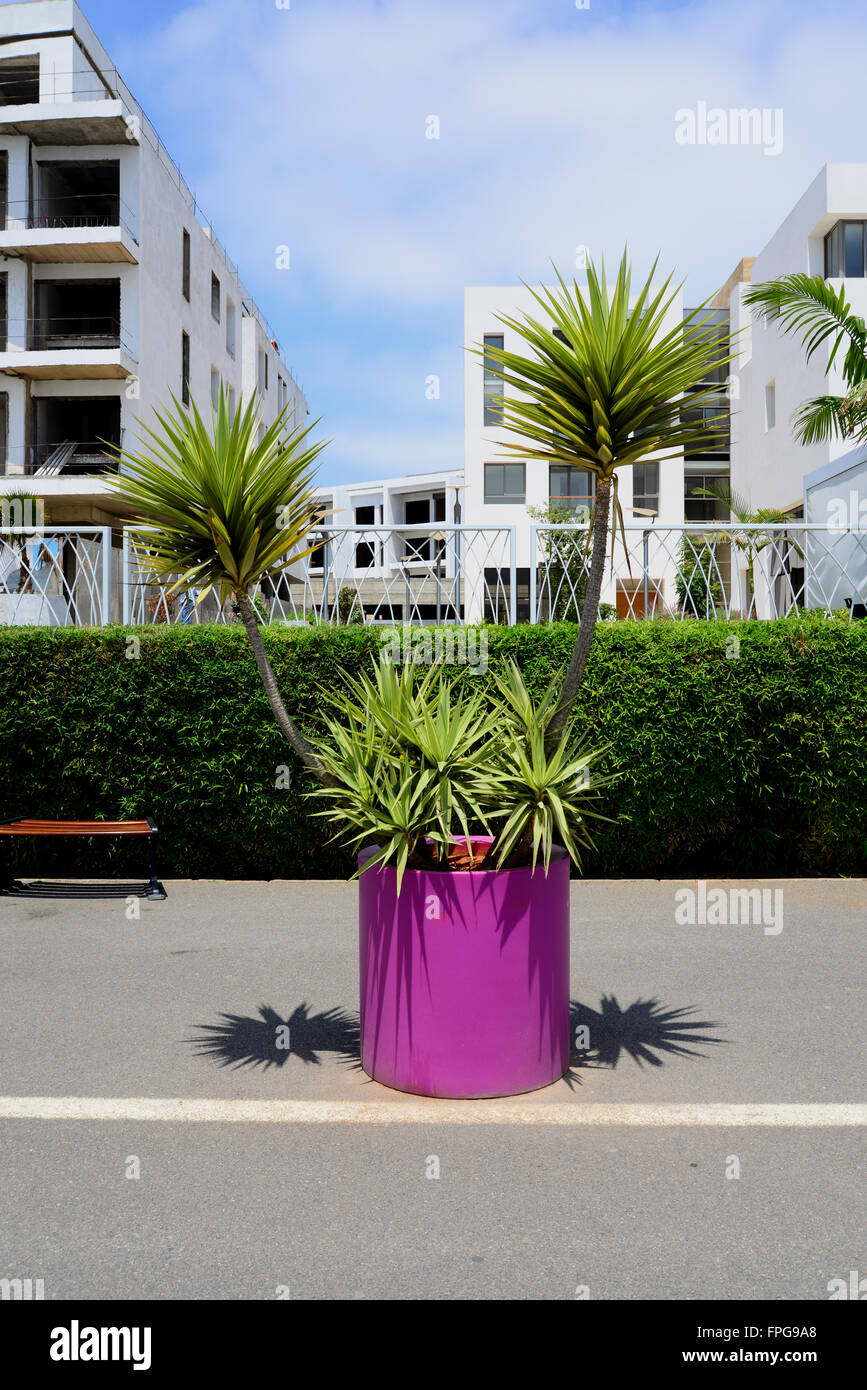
755,765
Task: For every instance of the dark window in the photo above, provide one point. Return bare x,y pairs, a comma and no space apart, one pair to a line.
185,269
365,551
266,371
493,385
215,298
701,323
845,251
571,487
713,419
699,508
439,503
185,368
505,482
417,513
76,313
88,422
645,487
19,81
77,193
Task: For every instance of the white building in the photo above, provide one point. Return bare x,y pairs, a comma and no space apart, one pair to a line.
115,293
824,234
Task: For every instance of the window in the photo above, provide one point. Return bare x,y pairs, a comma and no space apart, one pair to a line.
493,385
364,551
504,482
185,266
215,298
266,371
713,422
4,188
417,513
260,372
185,368
571,487
215,387
845,256
770,405
698,508
230,328
19,81
645,488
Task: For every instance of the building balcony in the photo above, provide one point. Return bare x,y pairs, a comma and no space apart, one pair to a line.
99,122
85,107
69,458
83,228
67,349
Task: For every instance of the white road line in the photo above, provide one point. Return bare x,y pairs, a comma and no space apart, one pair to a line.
418,1111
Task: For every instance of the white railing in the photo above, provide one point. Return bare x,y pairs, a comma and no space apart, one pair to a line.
55,576
703,570
432,573
443,574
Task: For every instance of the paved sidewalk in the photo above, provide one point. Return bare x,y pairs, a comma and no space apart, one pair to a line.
183,1003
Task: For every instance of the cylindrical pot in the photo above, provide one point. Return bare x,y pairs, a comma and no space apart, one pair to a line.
465,978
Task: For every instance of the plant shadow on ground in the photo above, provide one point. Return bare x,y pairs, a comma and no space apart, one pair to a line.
645,1031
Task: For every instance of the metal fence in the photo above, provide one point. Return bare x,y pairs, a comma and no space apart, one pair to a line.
703,570
55,576
441,574
433,573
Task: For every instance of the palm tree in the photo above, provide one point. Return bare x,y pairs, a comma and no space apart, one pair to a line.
750,543
603,389
807,305
20,509
222,510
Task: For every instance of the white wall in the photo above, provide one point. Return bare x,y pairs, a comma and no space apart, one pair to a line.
483,444
768,465
156,206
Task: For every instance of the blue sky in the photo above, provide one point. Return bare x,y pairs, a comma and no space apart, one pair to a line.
306,127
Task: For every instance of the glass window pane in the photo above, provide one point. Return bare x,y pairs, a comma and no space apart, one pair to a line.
493,386
853,249
493,480
514,481
558,481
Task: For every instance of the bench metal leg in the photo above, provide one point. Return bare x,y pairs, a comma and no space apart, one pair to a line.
156,892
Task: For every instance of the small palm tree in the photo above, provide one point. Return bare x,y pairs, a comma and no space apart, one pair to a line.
749,542
20,509
603,389
222,510
807,304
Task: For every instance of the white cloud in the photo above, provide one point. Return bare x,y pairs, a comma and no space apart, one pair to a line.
557,129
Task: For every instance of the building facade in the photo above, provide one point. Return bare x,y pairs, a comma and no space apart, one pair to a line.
115,293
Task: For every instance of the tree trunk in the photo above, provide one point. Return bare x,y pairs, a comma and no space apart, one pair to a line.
589,615
290,732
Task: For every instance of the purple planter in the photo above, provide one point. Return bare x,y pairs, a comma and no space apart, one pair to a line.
465,979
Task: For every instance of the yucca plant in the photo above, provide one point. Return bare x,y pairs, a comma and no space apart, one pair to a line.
540,787
405,760
808,306
604,387
416,769
220,509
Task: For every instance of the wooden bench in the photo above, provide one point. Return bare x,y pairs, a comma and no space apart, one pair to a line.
20,827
